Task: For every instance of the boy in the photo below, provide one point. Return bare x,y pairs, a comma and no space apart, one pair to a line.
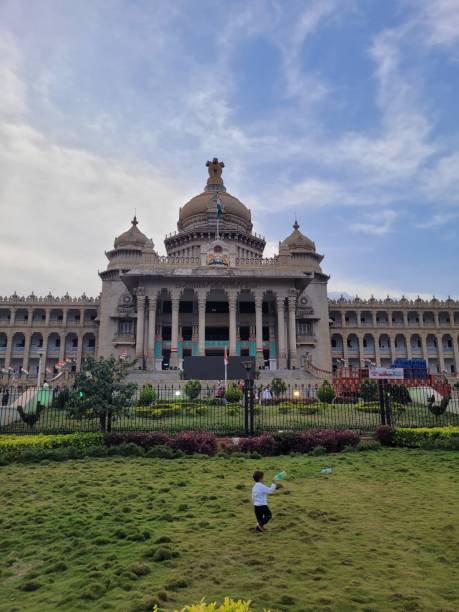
259,497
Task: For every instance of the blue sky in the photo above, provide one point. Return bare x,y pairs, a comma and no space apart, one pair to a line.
342,113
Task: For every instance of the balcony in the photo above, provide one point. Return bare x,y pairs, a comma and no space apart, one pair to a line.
306,339
123,339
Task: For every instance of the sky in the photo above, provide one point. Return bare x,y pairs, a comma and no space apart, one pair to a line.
340,113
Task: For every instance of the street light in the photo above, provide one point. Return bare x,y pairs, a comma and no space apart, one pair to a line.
248,395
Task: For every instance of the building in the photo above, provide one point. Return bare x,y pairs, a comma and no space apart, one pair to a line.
214,289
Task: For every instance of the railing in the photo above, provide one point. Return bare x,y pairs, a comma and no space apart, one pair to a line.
168,409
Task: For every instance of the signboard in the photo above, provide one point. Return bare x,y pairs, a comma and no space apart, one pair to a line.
386,373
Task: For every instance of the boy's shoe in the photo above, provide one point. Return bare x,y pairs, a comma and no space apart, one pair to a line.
263,528
259,529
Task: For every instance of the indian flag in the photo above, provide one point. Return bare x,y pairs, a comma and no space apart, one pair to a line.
219,208
225,356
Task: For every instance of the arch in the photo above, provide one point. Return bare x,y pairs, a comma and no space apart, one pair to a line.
36,342
89,344
416,343
428,318
400,344
90,315
3,342
444,318
447,343
368,344
456,317
382,317
366,318
18,342
71,345
337,318
384,343
337,343
54,344
38,315
353,344
432,344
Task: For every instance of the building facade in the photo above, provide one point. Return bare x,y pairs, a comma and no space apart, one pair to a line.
214,289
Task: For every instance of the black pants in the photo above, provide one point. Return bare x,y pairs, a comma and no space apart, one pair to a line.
263,514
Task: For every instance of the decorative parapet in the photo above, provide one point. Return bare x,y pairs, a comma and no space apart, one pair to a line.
49,300
403,302
252,262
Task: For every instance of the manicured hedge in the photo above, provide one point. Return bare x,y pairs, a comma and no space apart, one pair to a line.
434,437
13,446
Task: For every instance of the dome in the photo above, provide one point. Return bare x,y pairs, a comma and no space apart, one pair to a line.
133,237
206,203
298,241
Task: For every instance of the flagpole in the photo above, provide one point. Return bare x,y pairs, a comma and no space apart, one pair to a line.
225,359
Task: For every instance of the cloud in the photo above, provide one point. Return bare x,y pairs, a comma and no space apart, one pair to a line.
377,224
441,20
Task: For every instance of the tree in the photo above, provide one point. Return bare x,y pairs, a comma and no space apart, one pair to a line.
325,393
148,395
369,390
99,390
192,389
233,394
278,386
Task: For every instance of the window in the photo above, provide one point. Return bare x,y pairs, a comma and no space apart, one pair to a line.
333,343
303,328
186,307
265,333
187,333
125,327
166,332
247,307
244,332
91,342
74,342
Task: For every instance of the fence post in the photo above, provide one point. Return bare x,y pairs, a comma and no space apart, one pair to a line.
246,406
382,409
251,406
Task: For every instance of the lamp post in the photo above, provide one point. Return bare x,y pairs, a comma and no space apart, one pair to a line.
40,356
248,395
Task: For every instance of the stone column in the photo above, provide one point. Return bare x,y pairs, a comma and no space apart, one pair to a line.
9,348
79,354
292,331
140,326
232,307
12,316
62,347
25,359
441,354
151,337
175,299
29,319
405,318
202,299
281,352
44,358
424,349
436,319
259,328
409,352
456,352
65,314
47,316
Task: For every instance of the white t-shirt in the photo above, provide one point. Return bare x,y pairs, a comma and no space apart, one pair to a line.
260,492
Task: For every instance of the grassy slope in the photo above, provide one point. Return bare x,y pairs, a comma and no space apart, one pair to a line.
379,533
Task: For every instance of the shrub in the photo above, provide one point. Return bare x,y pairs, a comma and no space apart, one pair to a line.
372,407
278,386
434,437
368,445
147,396
325,393
265,445
233,409
228,605
192,389
191,442
146,440
346,399
369,390
233,394
12,446
385,435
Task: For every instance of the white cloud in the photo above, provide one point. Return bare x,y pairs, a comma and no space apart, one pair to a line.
441,19
376,224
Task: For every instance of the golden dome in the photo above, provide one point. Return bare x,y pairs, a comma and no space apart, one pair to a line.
298,241
133,237
204,205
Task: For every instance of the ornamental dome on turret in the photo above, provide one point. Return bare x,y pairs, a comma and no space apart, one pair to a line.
133,237
297,241
201,209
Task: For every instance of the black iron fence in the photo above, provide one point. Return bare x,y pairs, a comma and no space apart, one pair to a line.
237,412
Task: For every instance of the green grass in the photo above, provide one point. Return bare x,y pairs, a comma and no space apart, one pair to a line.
219,420
380,533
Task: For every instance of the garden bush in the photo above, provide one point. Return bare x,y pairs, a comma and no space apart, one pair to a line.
13,446
146,440
147,396
228,605
434,437
191,442
192,389
385,435
265,445
233,394
369,390
325,393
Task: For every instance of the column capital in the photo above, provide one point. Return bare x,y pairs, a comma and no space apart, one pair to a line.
232,295
140,292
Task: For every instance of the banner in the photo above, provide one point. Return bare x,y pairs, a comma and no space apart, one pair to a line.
386,373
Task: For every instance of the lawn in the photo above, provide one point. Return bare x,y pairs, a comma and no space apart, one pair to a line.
381,532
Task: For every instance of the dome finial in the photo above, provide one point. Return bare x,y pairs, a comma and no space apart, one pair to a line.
134,221
215,181
296,225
